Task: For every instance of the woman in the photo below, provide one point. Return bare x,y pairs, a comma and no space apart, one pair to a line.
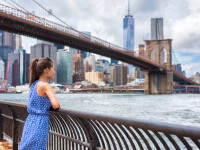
41,98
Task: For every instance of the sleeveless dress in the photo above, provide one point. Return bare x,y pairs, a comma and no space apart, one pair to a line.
36,128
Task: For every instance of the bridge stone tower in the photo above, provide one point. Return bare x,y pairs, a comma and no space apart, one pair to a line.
159,81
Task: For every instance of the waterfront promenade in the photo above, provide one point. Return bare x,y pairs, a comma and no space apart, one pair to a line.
71,129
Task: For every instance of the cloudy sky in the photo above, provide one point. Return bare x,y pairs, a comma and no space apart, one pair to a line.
104,19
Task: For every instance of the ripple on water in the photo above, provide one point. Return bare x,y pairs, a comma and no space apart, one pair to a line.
177,108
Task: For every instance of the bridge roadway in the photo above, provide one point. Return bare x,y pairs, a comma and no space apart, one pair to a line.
20,22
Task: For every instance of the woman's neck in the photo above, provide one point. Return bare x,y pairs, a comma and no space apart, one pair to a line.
43,79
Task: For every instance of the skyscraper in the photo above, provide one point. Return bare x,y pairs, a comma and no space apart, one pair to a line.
128,31
7,45
27,64
89,61
2,68
45,50
128,35
157,29
118,75
14,69
64,65
7,39
78,68
18,40
113,61
22,63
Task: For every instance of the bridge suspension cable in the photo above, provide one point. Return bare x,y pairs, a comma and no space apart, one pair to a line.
50,13
10,4
175,56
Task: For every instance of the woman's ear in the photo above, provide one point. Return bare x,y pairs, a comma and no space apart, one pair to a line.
46,70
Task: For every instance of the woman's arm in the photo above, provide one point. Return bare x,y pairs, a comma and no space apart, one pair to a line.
50,93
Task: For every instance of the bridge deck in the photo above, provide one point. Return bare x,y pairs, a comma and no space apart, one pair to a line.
5,145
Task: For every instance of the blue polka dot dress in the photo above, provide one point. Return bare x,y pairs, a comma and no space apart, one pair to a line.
36,128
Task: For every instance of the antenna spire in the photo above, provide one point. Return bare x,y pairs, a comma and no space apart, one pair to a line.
128,7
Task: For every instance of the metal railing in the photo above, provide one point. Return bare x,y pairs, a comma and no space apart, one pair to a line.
77,130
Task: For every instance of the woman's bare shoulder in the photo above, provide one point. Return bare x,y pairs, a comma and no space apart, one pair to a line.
43,85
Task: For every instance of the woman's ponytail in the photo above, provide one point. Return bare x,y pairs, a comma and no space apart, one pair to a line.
33,71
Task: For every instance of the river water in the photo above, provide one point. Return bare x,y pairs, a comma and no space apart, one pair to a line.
177,108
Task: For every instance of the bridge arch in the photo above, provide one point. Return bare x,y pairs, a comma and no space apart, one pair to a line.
162,52
163,56
153,55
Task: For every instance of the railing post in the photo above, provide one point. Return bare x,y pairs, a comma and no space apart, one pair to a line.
15,128
1,126
92,135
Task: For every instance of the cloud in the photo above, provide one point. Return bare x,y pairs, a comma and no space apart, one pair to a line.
104,19
191,68
190,62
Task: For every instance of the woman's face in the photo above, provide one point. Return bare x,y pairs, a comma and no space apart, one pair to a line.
51,72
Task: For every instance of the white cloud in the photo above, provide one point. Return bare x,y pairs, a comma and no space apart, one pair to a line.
191,68
104,19
186,31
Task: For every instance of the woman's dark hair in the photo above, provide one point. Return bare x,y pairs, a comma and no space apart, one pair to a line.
37,68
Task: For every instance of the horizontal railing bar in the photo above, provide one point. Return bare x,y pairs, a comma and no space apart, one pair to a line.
6,116
13,104
9,117
70,139
180,130
21,121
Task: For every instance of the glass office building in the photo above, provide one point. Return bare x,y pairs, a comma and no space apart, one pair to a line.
22,64
128,35
128,32
157,29
64,67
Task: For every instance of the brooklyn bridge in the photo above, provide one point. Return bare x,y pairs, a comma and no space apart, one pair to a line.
159,76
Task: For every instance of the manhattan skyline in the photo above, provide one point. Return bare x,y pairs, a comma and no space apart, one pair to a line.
104,19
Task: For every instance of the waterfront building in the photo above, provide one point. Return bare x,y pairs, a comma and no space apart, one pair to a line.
197,77
59,46
14,69
141,50
89,62
99,68
22,63
113,61
2,68
78,68
184,73
45,49
64,67
102,65
118,74
18,40
27,64
4,50
179,68
7,45
94,77
87,67
7,39
157,29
